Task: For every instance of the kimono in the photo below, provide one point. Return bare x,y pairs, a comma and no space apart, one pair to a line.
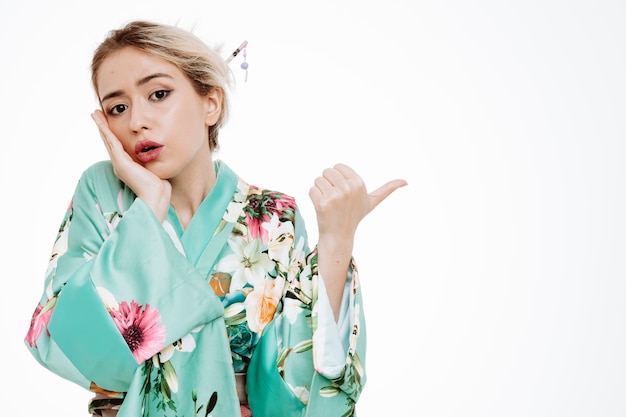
157,319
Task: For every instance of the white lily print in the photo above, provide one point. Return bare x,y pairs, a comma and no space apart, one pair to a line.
296,262
247,263
280,239
185,344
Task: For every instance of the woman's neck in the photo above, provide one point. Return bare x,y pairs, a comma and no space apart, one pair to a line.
189,191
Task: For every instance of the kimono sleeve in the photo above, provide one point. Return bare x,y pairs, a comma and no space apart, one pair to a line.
339,346
114,280
306,361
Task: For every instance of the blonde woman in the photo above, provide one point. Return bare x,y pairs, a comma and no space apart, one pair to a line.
176,288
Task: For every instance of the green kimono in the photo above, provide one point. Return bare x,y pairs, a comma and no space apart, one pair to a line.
158,319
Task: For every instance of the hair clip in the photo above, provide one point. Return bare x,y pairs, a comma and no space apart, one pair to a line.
244,64
236,51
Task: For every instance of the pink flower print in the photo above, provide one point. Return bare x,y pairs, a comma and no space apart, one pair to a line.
262,205
39,321
283,202
245,411
140,328
255,227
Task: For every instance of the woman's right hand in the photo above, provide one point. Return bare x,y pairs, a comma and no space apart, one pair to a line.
153,191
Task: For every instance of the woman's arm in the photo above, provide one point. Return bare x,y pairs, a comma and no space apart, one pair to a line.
114,267
341,201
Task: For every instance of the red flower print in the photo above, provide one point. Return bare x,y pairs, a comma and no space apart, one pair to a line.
245,411
140,328
262,204
39,321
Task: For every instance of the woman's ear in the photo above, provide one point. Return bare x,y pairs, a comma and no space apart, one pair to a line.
214,106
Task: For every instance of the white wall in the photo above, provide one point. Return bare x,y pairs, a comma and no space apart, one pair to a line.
494,283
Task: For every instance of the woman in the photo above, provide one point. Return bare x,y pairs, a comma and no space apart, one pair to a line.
176,288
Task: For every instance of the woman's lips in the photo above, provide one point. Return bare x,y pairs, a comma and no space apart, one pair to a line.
147,150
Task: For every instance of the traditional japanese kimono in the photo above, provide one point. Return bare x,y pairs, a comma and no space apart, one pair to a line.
157,320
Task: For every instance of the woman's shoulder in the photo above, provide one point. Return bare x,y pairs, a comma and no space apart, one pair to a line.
99,169
100,175
265,201
258,196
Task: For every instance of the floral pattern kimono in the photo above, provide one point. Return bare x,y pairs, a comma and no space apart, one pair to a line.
157,320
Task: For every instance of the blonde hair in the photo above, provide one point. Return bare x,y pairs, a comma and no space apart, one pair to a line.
203,66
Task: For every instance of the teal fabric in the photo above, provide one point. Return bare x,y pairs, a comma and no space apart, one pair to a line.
264,381
162,317
97,348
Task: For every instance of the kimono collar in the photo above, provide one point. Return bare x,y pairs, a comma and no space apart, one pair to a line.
205,220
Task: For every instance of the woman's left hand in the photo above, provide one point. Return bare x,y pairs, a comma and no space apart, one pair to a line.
341,200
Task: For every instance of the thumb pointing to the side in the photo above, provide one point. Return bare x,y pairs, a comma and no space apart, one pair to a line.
382,192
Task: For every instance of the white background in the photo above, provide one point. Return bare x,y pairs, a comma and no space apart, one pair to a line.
494,283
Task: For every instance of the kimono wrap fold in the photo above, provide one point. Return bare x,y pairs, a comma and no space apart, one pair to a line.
157,319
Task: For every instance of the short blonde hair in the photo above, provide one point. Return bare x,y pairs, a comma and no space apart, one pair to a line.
203,66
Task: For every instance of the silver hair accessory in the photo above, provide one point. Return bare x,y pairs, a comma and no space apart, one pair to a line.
244,64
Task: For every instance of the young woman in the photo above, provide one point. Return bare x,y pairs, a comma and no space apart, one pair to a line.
176,288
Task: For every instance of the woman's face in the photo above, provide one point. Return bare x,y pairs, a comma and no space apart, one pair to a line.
155,112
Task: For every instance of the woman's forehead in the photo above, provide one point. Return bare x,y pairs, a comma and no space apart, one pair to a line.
130,66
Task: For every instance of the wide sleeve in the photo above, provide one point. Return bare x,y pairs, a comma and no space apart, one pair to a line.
306,361
114,288
338,345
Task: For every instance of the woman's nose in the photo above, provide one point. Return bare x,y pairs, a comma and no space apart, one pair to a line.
139,118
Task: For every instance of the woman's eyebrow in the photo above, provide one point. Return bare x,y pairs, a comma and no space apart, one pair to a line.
144,80
139,83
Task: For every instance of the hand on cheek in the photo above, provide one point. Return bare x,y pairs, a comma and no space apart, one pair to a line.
152,190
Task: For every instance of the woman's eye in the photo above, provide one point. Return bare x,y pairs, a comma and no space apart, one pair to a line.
159,95
120,108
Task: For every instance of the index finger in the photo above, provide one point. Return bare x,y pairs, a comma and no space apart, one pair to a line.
101,121
108,137
345,170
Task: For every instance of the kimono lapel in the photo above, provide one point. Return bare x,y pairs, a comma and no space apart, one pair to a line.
211,225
